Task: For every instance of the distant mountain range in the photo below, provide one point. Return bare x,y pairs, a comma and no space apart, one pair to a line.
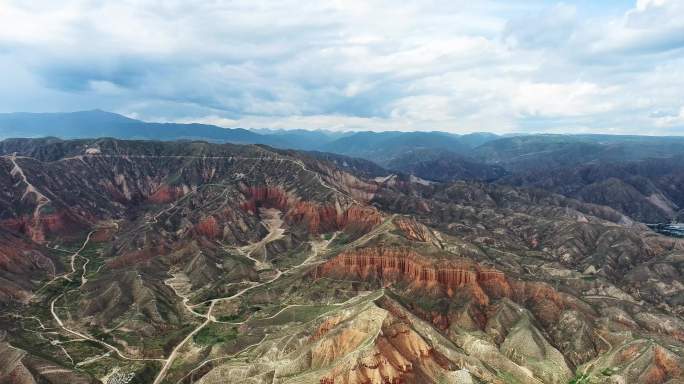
437,156
97,124
444,165
380,147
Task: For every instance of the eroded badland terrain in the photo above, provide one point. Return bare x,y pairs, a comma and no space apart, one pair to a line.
148,262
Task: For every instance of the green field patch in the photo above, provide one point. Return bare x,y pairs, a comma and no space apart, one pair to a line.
83,349
215,333
231,318
580,379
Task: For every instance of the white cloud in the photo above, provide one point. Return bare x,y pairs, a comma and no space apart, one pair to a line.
643,5
666,120
415,65
569,99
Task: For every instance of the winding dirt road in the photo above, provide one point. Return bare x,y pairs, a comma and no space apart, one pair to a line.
274,224
79,334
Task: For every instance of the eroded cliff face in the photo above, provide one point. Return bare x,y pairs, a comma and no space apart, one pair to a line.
208,227
318,218
267,197
38,227
413,230
363,343
391,265
462,280
641,361
399,355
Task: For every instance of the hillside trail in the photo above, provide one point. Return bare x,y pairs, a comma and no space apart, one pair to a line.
274,223
41,199
61,324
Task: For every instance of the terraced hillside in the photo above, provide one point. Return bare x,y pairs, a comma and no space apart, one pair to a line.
188,262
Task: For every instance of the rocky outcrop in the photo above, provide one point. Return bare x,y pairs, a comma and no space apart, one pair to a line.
413,230
390,265
317,217
208,227
37,228
640,361
462,280
267,197
399,355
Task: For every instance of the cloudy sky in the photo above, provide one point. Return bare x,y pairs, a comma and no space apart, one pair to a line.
461,66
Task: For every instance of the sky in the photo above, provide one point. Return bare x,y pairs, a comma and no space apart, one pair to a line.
449,65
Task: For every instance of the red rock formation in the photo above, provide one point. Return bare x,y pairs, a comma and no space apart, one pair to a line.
52,222
325,327
166,194
393,264
56,223
657,364
462,279
665,366
413,230
325,218
399,355
15,254
541,298
267,197
319,218
208,227
358,217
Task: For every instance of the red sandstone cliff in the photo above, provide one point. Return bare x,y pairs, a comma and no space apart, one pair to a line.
37,228
166,194
461,279
319,218
413,230
208,227
398,355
